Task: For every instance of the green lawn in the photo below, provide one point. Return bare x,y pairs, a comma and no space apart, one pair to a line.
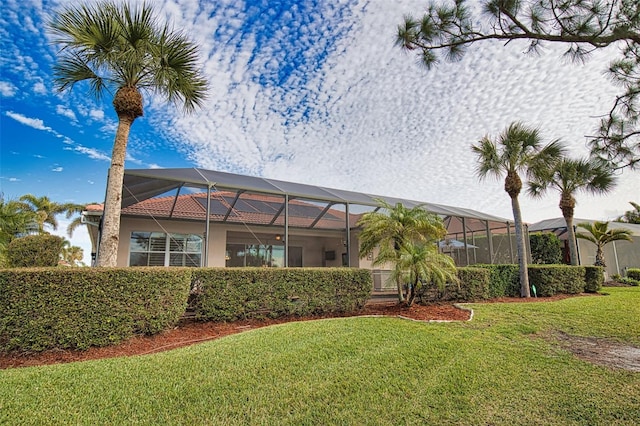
502,368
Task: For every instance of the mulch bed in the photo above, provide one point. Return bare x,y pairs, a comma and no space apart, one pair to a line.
191,332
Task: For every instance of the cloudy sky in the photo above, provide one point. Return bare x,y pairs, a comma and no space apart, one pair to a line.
307,91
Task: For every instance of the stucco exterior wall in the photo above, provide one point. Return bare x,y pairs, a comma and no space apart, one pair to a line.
315,243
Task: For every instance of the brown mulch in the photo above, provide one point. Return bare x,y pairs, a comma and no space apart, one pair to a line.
191,332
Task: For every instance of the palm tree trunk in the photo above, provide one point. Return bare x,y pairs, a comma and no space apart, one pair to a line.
521,248
110,233
571,235
400,290
600,255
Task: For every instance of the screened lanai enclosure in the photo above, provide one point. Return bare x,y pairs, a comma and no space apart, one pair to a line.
198,217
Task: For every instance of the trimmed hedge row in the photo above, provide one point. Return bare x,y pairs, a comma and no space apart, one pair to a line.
548,279
46,308
228,294
474,285
633,273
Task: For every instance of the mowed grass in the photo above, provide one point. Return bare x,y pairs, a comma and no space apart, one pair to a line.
502,368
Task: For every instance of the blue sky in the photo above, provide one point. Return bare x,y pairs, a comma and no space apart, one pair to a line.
307,91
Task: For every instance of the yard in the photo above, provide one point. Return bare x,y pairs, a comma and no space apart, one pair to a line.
514,363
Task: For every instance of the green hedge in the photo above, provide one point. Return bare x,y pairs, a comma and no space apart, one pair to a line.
47,308
34,251
633,273
594,278
551,280
228,294
504,280
474,285
545,248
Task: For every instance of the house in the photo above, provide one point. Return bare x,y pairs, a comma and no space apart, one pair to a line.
264,222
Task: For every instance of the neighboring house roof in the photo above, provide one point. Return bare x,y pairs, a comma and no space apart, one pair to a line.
559,226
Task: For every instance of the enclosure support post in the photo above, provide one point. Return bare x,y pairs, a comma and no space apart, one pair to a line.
348,239
205,261
464,236
286,231
490,242
510,242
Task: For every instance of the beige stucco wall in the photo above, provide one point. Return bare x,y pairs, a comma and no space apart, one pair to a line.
314,243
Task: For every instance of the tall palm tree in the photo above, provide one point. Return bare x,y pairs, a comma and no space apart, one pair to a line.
518,149
44,209
124,49
600,235
421,264
393,229
569,176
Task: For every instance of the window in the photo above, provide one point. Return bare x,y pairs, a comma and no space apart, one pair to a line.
261,255
160,249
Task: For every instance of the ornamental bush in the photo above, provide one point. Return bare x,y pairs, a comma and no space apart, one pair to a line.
504,280
76,308
550,280
474,285
633,273
34,251
545,248
593,278
228,294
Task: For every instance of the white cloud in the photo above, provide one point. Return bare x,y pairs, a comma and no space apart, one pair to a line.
13,179
96,114
319,94
92,153
40,88
7,89
326,98
36,123
57,169
66,112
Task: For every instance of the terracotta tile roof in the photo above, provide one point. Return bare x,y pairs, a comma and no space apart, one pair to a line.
254,209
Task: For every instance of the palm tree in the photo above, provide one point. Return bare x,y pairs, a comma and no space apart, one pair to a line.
631,216
124,49
600,235
570,176
518,149
44,209
71,254
15,220
395,229
422,264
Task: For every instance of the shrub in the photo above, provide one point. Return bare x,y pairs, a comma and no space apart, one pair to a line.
68,308
504,280
593,278
633,273
228,294
545,248
34,251
551,280
630,281
474,285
